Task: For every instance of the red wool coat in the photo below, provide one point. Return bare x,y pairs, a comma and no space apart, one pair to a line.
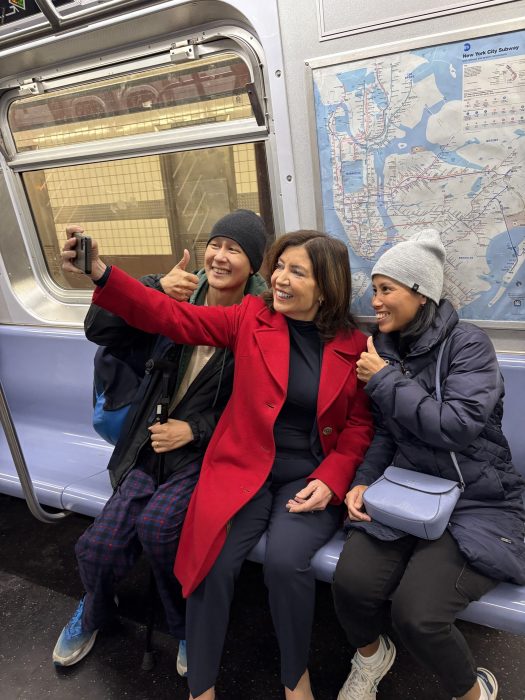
242,450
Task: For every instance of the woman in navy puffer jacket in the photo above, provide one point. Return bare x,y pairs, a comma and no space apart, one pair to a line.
429,582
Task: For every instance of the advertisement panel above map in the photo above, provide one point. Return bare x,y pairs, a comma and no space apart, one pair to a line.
338,18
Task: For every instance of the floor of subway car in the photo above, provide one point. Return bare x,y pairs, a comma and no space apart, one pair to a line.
39,590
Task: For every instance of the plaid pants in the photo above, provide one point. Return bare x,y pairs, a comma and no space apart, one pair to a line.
138,517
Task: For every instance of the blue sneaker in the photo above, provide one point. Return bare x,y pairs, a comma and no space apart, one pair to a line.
182,661
73,643
488,683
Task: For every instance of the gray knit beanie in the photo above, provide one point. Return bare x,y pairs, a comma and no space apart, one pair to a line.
418,263
247,229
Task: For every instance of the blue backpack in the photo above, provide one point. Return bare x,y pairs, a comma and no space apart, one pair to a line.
114,387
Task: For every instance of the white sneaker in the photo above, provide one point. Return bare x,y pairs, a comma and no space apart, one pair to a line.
363,680
488,683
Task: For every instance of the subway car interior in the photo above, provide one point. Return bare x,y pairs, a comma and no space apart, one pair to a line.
146,121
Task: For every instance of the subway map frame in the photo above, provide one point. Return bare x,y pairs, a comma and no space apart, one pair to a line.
426,136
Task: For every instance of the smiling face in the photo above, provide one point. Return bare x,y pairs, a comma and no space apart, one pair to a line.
226,264
395,305
295,290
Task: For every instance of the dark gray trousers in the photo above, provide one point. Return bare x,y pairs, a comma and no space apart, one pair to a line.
292,541
429,583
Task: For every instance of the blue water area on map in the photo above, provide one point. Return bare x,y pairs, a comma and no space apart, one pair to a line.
363,305
379,167
442,64
454,158
382,208
520,133
380,97
332,223
352,174
501,257
352,79
417,136
342,121
475,187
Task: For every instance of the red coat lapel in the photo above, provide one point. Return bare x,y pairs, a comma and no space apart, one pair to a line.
272,338
338,363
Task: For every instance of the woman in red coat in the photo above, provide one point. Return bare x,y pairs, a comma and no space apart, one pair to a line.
286,447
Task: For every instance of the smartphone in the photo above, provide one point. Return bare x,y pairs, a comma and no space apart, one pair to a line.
83,257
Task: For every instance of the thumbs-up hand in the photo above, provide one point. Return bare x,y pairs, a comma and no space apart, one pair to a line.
370,345
369,363
177,283
183,262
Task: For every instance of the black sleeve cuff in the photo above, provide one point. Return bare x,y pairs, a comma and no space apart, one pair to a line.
102,280
194,427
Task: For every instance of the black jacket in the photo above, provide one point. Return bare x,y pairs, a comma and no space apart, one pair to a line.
415,431
202,404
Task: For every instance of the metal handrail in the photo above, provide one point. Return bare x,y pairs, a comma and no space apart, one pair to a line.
50,12
21,466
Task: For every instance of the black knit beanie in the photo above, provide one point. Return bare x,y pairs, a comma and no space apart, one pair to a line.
247,229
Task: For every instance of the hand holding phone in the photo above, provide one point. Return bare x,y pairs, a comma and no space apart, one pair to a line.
83,257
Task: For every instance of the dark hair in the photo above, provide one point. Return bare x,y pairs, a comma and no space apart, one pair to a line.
421,322
331,269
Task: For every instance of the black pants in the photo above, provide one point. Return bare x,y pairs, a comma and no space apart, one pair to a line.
429,583
293,539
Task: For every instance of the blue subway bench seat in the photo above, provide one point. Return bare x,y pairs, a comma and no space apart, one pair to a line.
47,379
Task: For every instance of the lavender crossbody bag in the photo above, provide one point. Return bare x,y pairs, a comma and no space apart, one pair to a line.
416,503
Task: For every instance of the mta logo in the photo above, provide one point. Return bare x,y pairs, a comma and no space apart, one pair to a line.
466,47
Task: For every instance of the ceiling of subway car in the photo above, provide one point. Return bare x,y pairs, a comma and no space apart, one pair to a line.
151,21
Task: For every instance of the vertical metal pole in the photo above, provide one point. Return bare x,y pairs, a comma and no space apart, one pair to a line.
21,466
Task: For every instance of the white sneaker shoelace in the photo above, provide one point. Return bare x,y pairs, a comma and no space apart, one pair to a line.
364,677
360,684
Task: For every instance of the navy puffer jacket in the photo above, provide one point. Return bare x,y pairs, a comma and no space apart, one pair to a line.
415,431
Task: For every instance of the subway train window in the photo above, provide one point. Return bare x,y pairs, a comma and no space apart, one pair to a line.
210,90
146,160
144,211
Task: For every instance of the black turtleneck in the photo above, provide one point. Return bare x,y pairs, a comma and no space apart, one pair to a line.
295,430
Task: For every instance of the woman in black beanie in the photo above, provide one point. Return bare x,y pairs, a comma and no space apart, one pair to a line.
247,229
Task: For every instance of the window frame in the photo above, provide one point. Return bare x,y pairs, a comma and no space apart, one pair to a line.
85,152
218,40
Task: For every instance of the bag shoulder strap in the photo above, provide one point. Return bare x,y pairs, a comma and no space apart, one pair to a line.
438,396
